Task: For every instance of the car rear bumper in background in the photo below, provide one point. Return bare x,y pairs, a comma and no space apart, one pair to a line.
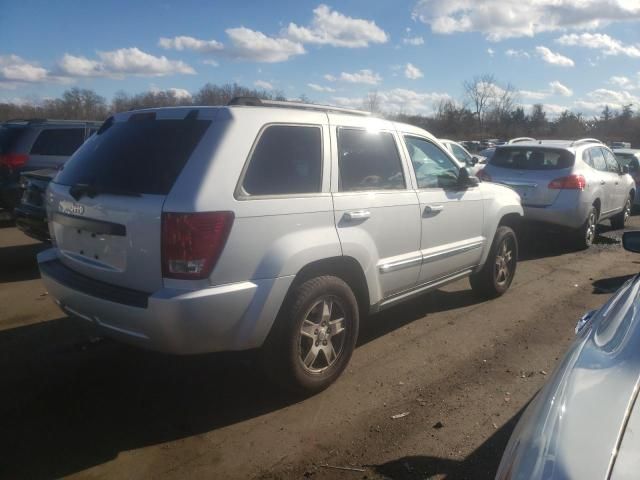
235,316
569,210
32,221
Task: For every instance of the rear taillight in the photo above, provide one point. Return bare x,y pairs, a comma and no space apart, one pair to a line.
570,182
193,242
13,160
484,176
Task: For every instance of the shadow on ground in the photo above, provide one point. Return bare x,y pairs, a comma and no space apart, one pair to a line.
481,464
611,284
18,263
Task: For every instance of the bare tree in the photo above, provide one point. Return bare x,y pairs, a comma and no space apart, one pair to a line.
479,94
371,102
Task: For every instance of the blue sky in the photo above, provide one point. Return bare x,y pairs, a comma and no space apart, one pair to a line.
576,54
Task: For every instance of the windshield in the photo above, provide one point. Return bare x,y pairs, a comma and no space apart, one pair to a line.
142,156
532,158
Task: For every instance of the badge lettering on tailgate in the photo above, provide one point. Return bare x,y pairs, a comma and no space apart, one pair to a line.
70,208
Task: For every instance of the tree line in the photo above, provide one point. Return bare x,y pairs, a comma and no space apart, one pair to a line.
487,109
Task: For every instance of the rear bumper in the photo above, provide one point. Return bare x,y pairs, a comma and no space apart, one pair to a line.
569,210
32,221
228,317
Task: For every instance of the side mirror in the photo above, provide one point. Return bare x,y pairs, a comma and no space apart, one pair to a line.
465,180
631,241
625,169
474,160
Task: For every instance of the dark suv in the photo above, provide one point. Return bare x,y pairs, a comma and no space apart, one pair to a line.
28,145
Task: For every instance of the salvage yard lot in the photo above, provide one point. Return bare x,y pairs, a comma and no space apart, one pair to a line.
73,403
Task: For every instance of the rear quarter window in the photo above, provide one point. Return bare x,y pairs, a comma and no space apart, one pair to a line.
524,158
140,156
286,160
58,141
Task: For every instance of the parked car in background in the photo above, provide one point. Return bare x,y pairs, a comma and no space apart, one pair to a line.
620,145
630,158
585,421
27,145
472,162
269,225
572,184
30,214
487,153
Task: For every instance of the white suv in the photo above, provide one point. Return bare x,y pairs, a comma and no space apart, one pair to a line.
266,224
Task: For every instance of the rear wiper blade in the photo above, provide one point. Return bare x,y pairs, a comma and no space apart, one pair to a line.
79,190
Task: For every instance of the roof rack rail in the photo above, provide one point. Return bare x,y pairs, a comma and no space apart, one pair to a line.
521,139
257,102
584,140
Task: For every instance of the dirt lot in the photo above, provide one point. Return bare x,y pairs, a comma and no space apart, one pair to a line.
74,404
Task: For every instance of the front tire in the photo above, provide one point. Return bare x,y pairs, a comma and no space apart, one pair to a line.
314,336
496,275
618,221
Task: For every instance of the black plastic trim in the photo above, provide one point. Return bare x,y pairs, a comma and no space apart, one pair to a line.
104,291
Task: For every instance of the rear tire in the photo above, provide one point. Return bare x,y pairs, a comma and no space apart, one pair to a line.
618,221
586,234
496,275
314,336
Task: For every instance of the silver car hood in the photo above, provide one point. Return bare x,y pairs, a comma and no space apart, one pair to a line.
573,427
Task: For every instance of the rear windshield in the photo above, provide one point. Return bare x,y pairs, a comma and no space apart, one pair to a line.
524,158
8,137
138,156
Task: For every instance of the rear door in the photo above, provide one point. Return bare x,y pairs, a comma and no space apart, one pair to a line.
53,146
376,210
451,218
604,178
105,206
619,190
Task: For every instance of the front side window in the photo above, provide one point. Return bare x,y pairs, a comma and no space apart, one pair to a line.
612,163
433,168
368,161
287,160
58,141
460,154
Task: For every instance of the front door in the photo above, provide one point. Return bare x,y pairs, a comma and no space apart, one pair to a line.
452,217
376,213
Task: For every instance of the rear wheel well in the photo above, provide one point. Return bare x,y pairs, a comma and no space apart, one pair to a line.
346,268
596,204
632,194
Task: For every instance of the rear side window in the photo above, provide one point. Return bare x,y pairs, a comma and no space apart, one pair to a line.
524,158
141,156
612,163
597,159
9,137
368,161
58,141
287,160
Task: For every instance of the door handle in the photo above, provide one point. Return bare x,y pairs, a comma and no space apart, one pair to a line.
433,208
602,182
357,215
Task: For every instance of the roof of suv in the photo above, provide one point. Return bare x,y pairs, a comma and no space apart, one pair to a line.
570,145
47,121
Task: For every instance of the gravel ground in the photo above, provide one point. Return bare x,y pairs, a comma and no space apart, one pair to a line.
433,389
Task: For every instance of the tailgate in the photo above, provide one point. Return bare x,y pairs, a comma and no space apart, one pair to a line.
115,239
531,185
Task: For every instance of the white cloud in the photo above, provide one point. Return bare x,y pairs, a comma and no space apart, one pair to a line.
517,53
190,43
122,62
599,41
320,88
412,72
333,28
179,93
399,100
211,62
623,82
558,88
613,97
414,41
256,46
14,69
555,88
491,52
366,76
262,84
500,19
554,58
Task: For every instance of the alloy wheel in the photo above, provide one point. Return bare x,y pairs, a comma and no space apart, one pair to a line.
322,334
505,261
590,233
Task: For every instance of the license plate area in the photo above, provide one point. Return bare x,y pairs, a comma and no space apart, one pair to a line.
96,249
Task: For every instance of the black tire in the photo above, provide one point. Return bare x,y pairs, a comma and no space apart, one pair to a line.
287,347
586,234
491,281
618,221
